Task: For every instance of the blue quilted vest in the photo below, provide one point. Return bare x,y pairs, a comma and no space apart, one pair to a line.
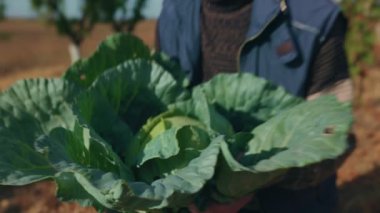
280,45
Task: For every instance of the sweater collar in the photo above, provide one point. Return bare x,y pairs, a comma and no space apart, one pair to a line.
263,12
225,5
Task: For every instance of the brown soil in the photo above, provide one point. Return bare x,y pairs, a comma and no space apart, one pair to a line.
359,177
31,49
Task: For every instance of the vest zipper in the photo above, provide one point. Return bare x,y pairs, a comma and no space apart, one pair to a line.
283,9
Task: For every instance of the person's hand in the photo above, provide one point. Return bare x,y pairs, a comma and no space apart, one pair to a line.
233,207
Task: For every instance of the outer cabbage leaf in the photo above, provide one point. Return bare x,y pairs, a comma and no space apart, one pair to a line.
245,100
78,152
305,135
171,66
139,89
95,110
29,109
20,164
32,107
199,108
83,161
111,52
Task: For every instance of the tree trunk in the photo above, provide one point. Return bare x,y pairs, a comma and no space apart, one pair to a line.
74,51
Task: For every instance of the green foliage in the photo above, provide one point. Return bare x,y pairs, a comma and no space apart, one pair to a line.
85,71
362,15
75,28
137,15
119,15
115,12
4,36
135,137
2,9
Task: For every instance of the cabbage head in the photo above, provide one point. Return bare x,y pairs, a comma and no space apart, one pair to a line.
123,130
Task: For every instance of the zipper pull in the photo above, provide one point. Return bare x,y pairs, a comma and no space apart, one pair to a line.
283,6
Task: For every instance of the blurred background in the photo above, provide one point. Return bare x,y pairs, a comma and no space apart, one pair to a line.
43,37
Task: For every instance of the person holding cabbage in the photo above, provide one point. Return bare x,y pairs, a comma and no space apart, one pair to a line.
298,45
